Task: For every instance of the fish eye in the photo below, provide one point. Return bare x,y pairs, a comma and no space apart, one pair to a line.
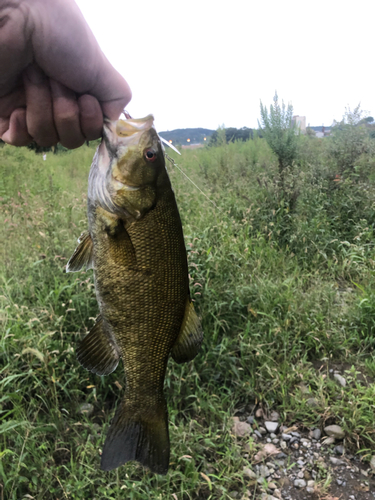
150,155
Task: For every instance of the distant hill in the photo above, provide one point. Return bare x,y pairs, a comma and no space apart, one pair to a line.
181,135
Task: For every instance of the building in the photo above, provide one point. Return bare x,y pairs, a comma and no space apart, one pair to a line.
300,123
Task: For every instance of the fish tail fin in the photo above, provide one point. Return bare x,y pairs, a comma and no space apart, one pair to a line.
140,437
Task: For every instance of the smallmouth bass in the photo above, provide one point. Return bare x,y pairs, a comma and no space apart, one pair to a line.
135,246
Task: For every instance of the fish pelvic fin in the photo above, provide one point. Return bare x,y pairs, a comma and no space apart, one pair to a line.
142,437
82,258
190,337
98,352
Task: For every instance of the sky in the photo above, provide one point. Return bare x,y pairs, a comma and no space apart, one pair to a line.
209,63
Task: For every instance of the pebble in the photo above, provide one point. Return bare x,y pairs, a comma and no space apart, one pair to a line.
312,402
301,475
327,441
271,426
310,483
86,409
250,473
340,379
339,450
264,471
336,461
316,434
296,434
299,483
309,489
250,420
262,430
257,433
272,435
241,429
274,417
286,437
300,463
334,431
372,463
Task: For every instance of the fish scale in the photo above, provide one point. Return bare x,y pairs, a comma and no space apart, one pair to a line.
136,247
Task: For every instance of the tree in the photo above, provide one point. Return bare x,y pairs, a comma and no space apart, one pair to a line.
349,139
280,134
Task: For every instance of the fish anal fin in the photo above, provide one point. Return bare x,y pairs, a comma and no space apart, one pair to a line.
190,337
98,353
82,258
143,438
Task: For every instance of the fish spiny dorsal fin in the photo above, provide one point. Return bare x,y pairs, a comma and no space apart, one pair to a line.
82,256
98,351
190,337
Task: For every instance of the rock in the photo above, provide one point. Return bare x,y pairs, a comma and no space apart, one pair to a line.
372,463
286,437
272,435
311,483
249,473
336,461
272,486
296,434
258,434
299,483
339,450
300,463
259,413
340,379
334,431
281,455
241,429
283,445
309,489
86,409
364,472
271,426
250,420
301,475
327,441
262,430
316,434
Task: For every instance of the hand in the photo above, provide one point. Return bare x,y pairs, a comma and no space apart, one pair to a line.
55,82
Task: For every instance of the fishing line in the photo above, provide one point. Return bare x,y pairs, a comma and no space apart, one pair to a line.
171,160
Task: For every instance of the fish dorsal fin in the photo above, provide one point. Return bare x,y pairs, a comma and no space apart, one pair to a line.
98,351
82,258
190,337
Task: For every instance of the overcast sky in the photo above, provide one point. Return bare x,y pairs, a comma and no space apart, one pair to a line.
206,63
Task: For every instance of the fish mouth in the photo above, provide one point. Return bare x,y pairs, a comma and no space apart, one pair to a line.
127,128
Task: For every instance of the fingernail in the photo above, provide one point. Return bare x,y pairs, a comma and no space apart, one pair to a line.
34,74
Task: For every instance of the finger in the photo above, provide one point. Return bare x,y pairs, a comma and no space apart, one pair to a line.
111,89
91,117
12,101
4,125
39,115
66,116
17,133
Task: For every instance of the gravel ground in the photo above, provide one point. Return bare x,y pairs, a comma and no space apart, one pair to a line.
294,463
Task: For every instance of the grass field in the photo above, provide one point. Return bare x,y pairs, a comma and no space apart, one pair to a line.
284,295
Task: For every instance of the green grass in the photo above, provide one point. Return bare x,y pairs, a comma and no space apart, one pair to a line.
283,296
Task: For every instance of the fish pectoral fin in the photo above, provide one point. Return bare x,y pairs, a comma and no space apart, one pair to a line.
82,258
190,337
98,353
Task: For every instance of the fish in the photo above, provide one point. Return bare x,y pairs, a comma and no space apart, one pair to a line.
135,246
